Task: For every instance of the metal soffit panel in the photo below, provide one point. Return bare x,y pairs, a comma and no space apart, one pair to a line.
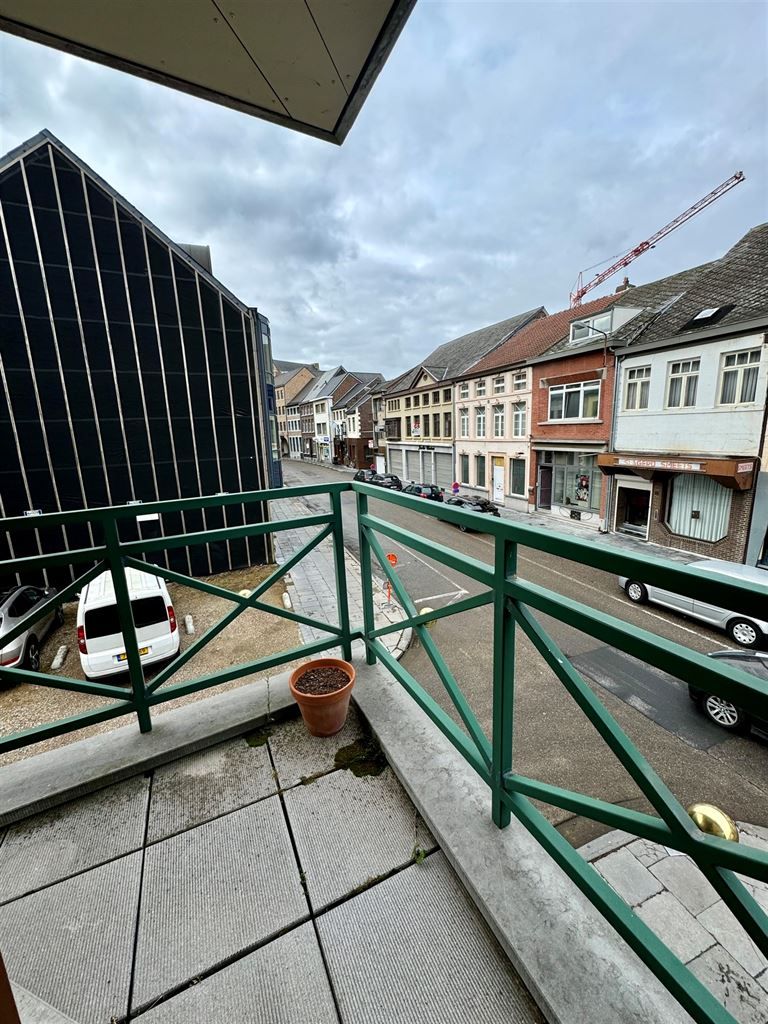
307,64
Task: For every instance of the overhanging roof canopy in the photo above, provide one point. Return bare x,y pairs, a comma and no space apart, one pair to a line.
307,64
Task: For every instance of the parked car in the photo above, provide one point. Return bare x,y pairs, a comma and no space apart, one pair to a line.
745,630
15,605
431,491
364,476
99,636
387,480
473,503
721,711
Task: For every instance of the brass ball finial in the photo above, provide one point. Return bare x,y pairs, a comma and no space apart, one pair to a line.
714,822
426,611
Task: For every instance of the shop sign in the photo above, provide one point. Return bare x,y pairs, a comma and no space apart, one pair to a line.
745,467
668,464
426,447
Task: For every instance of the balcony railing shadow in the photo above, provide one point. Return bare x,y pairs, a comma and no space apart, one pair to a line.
515,603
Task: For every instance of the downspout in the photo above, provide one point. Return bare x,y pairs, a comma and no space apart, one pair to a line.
611,437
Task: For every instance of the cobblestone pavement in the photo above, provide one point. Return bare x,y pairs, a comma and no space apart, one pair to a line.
669,893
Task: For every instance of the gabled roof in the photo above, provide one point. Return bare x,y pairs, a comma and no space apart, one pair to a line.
736,286
453,358
46,138
359,393
316,388
539,336
284,365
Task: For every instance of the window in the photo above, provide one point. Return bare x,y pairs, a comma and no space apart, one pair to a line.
479,388
408,403
436,424
739,380
464,469
574,401
464,422
416,427
407,426
698,507
518,419
425,399
463,390
638,384
480,421
447,394
498,421
447,426
416,401
591,327
683,381
425,421
519,380
435,398
480,471
517,476
498,385
576,479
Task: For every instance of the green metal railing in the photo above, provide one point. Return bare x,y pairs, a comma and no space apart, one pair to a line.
515,603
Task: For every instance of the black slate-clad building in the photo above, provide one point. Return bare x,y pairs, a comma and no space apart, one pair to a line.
127,372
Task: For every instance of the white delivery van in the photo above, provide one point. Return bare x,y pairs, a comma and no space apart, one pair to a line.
99,636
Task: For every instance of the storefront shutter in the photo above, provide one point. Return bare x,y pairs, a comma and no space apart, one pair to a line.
412,469
444,469
702,495
395,460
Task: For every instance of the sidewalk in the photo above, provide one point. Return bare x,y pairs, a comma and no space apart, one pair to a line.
311,585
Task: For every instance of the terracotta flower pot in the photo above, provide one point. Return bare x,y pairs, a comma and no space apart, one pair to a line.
324,714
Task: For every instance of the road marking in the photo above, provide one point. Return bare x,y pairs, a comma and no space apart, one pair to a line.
436,597
423,561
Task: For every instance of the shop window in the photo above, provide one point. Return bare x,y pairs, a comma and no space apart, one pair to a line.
682,384
637,387
517,476
576,480
738,383
698,507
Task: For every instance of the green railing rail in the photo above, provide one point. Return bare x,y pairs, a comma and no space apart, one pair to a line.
515,603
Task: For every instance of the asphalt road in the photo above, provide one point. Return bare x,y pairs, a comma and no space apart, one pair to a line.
553,741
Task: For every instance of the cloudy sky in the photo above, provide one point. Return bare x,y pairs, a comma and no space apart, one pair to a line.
504,147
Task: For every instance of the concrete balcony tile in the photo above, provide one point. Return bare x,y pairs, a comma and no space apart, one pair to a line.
681,876
742,996
284,982
207,784
414,948
633,882
72,838
71,944
298,755
668,918
729,933
211,893
350,831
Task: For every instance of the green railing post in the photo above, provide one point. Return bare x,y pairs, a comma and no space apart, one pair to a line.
128,628
366,580
505,565
341,575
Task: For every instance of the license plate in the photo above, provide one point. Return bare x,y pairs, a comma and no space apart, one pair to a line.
124,656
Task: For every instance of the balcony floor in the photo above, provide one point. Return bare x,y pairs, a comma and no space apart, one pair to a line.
254,881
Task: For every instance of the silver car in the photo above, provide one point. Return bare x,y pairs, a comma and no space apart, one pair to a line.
744,630
15,605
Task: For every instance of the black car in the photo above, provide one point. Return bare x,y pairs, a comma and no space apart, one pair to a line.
722,712
431,491
389,480
364,476
473,503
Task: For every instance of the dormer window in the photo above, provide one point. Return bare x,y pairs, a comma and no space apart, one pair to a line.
591,327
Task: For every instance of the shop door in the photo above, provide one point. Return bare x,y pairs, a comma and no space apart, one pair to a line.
544,493
443,469
632,508
497,481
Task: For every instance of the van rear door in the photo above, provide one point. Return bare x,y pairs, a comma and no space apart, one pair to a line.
103,634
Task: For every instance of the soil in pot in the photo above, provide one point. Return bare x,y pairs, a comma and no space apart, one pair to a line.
321,680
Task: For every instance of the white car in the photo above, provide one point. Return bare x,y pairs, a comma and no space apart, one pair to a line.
99,636
746,630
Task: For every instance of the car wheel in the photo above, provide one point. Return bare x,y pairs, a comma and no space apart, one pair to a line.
462,527
744,632
636,592
724,714
32,657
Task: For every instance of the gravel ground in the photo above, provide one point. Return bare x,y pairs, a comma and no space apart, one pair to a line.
252,634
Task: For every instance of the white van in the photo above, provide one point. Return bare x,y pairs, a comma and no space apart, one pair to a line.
99,637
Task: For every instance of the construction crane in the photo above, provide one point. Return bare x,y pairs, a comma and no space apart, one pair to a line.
581,289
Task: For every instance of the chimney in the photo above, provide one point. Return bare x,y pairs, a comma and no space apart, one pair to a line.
624,286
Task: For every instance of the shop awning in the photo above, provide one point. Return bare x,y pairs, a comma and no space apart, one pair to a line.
307,64
736,473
